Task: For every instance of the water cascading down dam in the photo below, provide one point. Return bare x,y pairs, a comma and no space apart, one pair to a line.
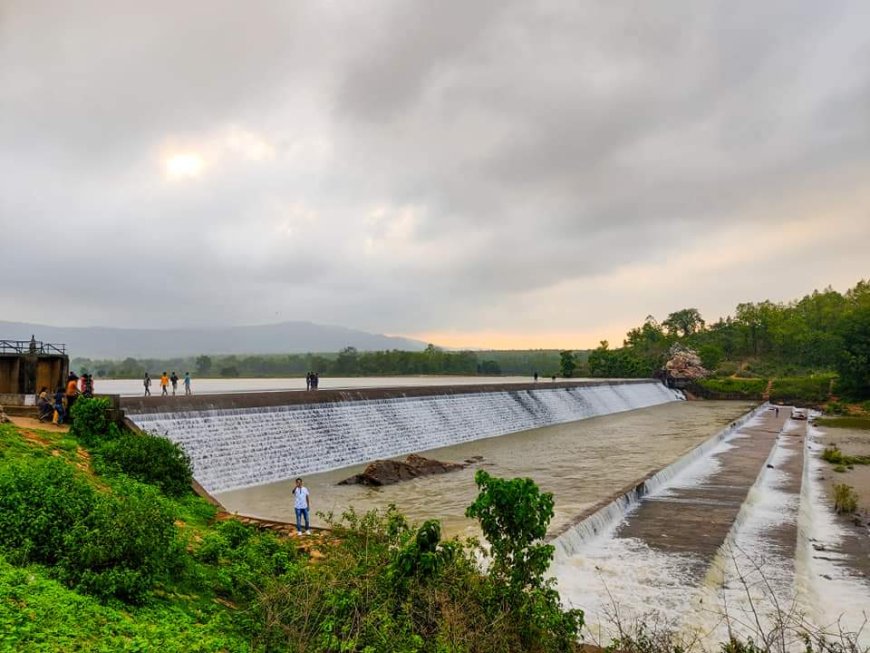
242,440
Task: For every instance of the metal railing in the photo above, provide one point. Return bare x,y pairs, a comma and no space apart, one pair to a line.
31,347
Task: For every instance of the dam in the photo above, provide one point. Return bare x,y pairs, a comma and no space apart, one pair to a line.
237,441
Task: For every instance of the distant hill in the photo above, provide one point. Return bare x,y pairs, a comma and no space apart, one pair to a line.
285,337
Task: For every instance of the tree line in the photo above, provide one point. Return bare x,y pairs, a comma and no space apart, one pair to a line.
347,362
825,331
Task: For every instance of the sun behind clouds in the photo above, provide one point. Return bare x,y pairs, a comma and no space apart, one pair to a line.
184,165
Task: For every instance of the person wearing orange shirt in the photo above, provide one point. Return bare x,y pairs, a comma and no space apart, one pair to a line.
72,391
164,385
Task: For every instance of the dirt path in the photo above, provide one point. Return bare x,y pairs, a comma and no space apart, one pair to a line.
31,423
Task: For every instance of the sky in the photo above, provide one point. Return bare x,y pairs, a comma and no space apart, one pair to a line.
504,174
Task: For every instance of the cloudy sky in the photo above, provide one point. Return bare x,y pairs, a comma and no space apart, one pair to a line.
506,174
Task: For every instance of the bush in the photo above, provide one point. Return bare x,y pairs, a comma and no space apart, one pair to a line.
801,389
151,459
385,585
729,387
100,543
122,546
90,420
845,498
39,502
245,558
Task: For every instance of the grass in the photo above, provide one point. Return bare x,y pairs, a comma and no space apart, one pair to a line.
845,498
733,387
862,423
813,389
833,455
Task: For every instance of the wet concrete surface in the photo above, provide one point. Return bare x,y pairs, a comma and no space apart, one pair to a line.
697,520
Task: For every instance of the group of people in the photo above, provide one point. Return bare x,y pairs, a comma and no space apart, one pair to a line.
165,382
56,408
312,379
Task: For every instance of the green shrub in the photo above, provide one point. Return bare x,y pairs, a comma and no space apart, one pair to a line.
90,420
106,544
801,389
122,546
833,455
845,498
40,500
836,408
245,558
385,585
151,459
730,387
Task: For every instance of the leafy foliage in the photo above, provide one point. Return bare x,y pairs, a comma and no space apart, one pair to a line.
90,421
801,389
98,542
845,498
567,364
148,458
732,387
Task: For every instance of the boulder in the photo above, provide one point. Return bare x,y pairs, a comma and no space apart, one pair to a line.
3,418
388,472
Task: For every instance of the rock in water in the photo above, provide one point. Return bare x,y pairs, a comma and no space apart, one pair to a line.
388,472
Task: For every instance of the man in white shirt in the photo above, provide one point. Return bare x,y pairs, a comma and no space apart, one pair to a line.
302,504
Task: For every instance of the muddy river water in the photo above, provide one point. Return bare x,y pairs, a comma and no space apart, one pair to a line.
580,462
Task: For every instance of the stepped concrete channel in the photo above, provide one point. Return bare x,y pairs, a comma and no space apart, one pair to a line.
737,540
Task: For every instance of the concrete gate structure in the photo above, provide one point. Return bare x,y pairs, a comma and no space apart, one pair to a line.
26,366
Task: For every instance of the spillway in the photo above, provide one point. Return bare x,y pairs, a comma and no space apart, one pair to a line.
236,447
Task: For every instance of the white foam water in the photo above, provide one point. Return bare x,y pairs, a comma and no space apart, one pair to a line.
837,600
687,471
239,448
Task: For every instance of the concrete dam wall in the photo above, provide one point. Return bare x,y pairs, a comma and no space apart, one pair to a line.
249,439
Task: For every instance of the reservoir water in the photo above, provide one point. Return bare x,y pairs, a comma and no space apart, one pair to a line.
581,462
134,388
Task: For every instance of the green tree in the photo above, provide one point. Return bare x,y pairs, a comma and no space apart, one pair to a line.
203,365
514,515
684,323
854,363
567,363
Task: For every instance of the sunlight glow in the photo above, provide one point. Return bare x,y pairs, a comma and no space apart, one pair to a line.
185,165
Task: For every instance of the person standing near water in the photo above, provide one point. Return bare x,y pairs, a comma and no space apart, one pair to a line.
187,383
164,385
302,505
174,380
147,383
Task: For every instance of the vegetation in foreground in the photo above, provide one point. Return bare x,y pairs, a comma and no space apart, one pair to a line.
101,551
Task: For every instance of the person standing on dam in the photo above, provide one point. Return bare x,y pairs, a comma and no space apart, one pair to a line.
147,383
174,380
302,504
187,383
164,385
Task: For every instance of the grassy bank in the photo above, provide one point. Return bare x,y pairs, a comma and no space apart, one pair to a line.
812,390
104,548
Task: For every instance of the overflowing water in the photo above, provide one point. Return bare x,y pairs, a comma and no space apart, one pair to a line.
580,462
234,448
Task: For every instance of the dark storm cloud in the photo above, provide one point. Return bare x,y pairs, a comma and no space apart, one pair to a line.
411,167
